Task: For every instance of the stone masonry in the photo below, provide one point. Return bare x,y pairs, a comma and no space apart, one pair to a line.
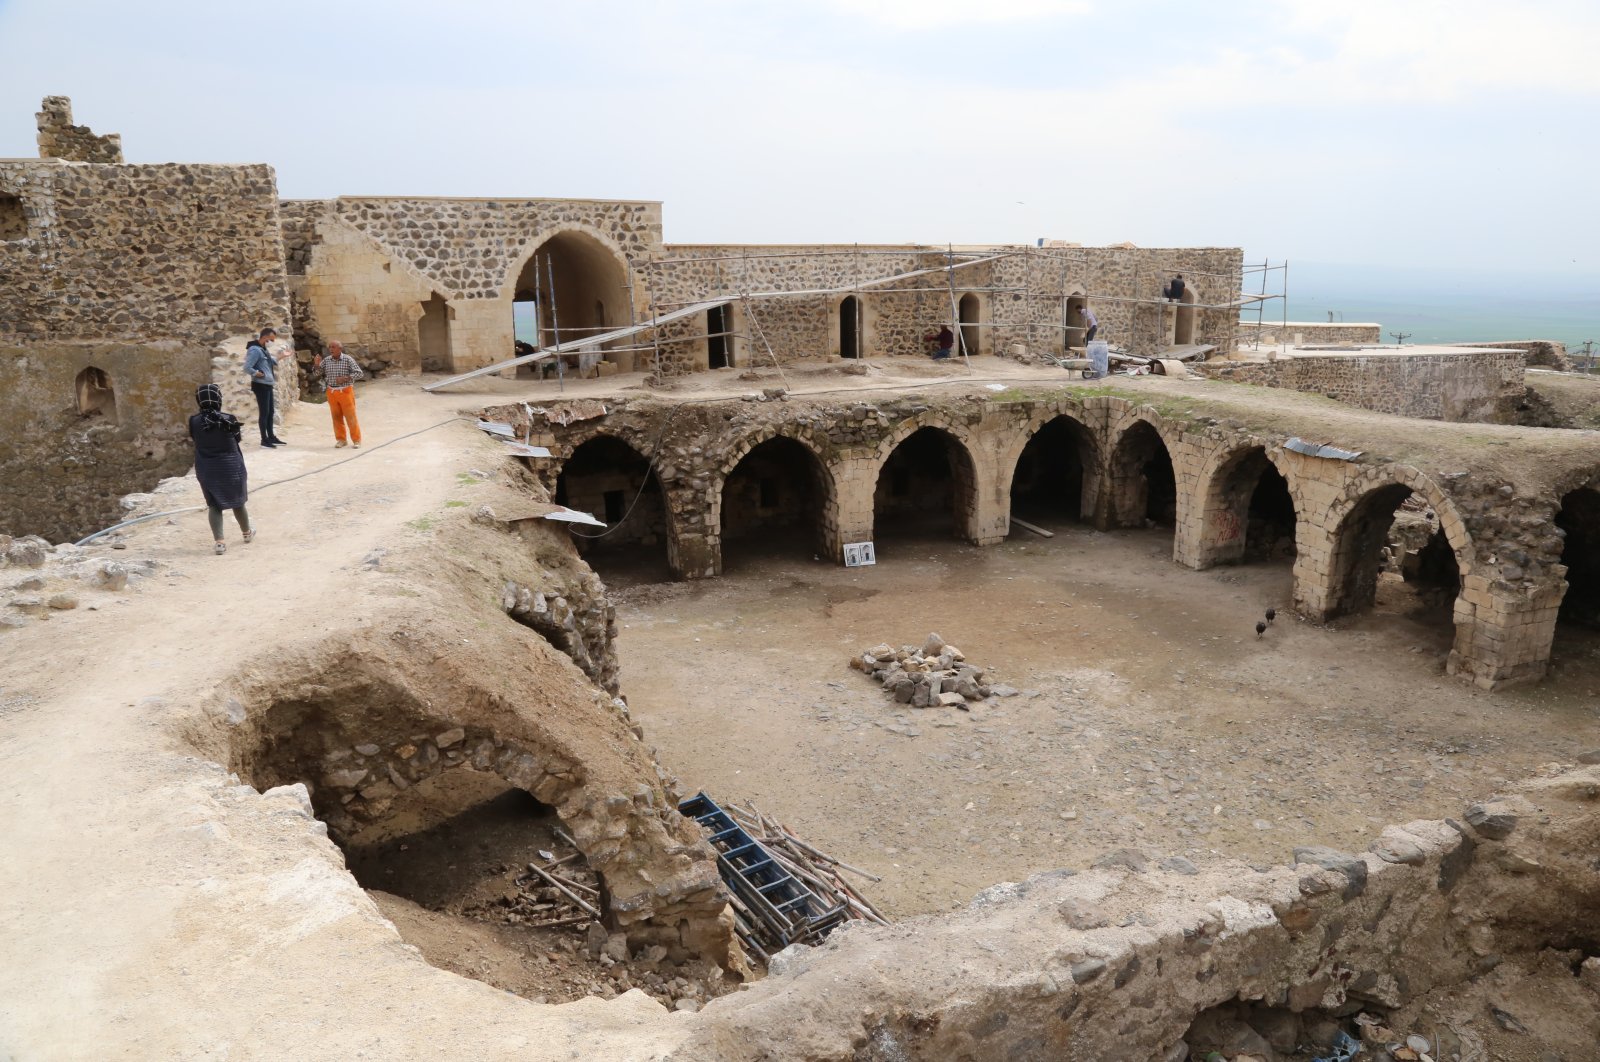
1484,386
1505,547
60,139
117,283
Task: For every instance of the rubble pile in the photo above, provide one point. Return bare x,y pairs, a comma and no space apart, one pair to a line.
934,675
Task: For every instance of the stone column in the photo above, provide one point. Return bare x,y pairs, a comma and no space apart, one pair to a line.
855,475
1503,634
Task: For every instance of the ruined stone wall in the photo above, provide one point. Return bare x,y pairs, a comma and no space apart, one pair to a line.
62,471
1545,353
60,139
1482,387
138,272
1311,333
1118,961
1503,543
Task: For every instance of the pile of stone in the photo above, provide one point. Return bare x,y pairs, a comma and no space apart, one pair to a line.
934,675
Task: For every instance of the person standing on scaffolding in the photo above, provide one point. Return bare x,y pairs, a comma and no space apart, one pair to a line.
1091,324
1174,289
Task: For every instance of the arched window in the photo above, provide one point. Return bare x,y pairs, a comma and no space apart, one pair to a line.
96,396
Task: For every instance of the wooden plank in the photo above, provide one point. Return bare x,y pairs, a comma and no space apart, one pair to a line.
1035,528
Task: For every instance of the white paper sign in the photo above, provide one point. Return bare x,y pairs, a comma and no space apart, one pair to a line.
859,554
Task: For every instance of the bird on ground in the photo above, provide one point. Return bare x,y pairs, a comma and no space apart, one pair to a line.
1272,614
1261,628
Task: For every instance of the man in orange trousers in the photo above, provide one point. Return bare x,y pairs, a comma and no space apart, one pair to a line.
339,373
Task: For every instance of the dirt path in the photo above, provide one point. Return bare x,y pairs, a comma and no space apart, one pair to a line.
1149,714
149,908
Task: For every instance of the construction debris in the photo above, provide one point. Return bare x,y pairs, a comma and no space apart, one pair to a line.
782,890
935,674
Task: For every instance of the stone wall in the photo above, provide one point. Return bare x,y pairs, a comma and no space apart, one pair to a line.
1021,297
1118,961
124,279
1311,333
60,139
1545,353
1483,387
131,253
62,471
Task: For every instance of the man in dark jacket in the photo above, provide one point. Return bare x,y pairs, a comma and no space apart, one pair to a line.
261,367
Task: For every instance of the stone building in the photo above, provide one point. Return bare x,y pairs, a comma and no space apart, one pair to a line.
118,284
432,284
125,285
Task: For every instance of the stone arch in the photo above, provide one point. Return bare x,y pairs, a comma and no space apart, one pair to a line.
591,283
1089,454
1360,519
823,488
617,483
900,490
95,394
1141,472
1227,491
361,725
1577,516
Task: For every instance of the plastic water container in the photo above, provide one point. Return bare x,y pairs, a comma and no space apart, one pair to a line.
1100,357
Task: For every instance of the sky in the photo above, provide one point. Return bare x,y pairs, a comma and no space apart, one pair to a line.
1412,134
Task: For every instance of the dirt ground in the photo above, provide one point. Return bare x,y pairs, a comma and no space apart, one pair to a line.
1149,715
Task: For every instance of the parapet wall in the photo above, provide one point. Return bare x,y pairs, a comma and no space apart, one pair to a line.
1311,333
1484,387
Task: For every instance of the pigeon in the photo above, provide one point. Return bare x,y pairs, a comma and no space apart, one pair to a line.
1272,614
1261,628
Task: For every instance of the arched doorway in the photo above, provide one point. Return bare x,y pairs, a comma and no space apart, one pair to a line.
95,395
968,311
925,489
433,335
774,502
1579,517
565,289
1072,329
1391,551
1144,490
719,338
1183,329
1048,482
850,327
610,479
1250,514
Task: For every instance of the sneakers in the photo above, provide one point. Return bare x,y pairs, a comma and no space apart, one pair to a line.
268,443
221,548
250,534
339,444
356,443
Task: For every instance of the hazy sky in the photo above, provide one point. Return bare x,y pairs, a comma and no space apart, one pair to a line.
1410,132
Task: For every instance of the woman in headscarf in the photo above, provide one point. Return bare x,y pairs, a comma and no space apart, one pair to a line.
218,464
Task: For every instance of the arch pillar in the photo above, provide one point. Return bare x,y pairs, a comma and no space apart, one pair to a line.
855,477
1503,636
694,547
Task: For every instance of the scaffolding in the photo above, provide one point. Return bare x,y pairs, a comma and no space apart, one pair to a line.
1078,279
